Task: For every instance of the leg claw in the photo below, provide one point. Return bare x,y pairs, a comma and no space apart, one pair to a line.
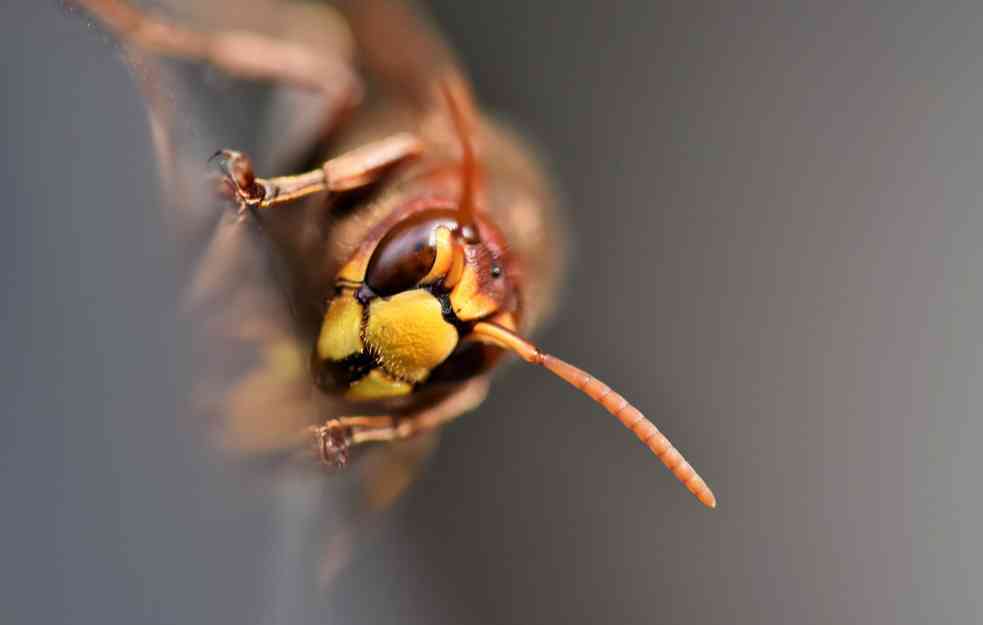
240,179
333,441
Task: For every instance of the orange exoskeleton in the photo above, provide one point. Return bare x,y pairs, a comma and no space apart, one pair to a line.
418,254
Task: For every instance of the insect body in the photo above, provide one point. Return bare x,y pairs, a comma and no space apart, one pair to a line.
423,255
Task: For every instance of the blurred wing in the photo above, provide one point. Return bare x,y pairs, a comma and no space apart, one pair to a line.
253,381
251,374
252,390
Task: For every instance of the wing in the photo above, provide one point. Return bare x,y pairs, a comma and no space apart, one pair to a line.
250,360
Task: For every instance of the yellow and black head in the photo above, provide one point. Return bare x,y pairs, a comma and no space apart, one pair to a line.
407,301
405,306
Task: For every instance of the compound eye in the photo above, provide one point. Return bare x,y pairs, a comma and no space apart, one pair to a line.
406,254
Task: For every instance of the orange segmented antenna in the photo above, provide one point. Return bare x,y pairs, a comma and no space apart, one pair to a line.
462,114
613,402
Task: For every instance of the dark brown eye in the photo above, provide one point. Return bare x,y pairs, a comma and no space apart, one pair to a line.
406,254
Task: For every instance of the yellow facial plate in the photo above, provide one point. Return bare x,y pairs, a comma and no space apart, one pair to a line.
467,301
341,334
409,335
378,385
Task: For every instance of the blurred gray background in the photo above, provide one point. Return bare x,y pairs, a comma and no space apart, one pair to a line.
776,212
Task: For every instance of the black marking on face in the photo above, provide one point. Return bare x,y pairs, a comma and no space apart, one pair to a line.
341,374
447,311
364,295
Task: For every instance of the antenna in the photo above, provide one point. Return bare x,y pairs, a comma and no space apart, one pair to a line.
613,402
462,115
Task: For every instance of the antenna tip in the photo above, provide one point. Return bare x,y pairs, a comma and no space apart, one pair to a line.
702,492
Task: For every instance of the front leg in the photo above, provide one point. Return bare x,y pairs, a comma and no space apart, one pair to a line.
336,437
351,170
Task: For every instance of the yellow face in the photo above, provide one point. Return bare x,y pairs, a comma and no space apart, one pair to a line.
405,304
